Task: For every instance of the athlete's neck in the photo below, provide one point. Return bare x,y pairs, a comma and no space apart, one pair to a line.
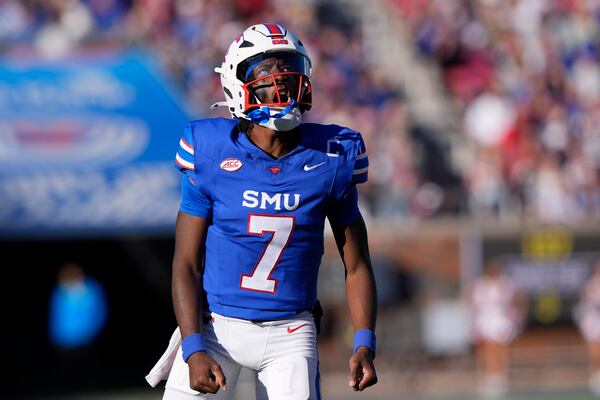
275,143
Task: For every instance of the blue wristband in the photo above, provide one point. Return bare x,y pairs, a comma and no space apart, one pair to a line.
192,344
365,337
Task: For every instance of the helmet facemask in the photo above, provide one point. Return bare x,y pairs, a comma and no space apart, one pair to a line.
276,79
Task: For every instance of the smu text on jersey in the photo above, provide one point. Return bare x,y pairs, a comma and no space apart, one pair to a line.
254,199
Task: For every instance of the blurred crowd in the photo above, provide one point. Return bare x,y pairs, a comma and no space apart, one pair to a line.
191,37
524,78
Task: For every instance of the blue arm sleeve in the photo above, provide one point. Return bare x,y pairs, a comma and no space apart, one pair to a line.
193,201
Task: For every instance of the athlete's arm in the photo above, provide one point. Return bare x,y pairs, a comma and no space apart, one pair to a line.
206,375
353,246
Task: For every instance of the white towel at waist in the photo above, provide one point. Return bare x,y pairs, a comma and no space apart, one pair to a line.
162,368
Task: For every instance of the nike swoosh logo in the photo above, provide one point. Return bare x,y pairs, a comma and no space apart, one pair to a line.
307,168
292,330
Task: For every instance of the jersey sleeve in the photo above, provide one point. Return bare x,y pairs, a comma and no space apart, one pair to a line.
184,158
193,201
344,208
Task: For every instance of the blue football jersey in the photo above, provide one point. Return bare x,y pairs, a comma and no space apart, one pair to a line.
265,242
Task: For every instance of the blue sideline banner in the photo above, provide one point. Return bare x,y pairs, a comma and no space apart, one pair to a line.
87,147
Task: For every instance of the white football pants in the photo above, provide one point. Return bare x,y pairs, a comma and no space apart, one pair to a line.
283,353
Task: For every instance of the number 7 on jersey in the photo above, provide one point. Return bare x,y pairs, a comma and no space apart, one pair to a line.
281,227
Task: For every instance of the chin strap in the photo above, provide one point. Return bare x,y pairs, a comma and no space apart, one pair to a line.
263,114
218,104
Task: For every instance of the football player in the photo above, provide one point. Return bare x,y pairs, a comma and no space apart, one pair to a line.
256,191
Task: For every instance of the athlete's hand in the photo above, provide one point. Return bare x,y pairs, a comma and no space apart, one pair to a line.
206,375
362,370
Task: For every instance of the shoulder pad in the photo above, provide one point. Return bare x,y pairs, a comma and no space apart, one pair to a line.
210,135
203,137
339,141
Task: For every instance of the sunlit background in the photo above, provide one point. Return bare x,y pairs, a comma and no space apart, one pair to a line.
482,123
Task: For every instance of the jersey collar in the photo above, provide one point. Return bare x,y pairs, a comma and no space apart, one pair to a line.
257,153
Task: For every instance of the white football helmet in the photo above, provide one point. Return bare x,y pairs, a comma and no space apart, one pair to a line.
266,77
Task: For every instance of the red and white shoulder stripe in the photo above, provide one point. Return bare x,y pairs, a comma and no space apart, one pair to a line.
184,159
361,167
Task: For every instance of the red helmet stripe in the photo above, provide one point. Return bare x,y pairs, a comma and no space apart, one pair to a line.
274,29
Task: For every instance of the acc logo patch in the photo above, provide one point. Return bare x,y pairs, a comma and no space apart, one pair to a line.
231,164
